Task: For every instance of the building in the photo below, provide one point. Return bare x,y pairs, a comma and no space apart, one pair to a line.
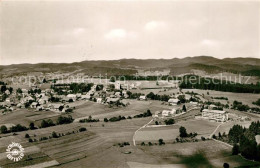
217,115
72,96
142,97
173,101
169,113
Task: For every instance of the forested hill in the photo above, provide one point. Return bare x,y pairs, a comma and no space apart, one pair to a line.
247,66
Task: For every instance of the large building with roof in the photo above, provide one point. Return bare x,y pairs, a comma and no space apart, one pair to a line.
217,115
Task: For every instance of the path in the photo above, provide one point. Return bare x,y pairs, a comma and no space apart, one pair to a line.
140,129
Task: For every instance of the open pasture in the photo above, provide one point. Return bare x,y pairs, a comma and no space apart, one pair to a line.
245,98
203,153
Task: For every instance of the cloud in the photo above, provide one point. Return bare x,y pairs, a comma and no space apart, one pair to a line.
154,25
78,31
120,34
207,42
116,33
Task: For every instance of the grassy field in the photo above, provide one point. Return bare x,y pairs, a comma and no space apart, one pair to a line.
197,154
246,98
170,133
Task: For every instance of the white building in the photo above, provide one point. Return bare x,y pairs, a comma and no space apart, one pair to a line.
72,96
142,97
169,113
216,115
173,101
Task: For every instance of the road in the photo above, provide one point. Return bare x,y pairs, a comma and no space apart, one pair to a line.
139,130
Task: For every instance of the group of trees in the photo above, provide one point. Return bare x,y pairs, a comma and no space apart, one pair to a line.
119,118
169,121
240,106
114,119
64,120
80,87
61,120
145,114
257,102
197,82
16,128
153,96
88,120
184,134
4,88
244,140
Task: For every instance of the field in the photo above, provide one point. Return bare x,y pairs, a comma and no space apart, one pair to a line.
170,133
81,149
246,98
197,154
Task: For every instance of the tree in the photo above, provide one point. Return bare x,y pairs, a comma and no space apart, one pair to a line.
19,90
31,126
54,134
182,98
226,165
61,108
3,88
235,149
4,129
161,142
169,122
44,124
184,108
27,136
105,120
82,129
183,132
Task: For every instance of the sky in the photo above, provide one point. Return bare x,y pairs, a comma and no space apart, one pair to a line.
72,31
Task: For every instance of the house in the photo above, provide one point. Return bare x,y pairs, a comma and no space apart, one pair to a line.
193,103
156,114
34,104
56,106
124,93
118,94
7,92
167,113
99,100
173,101
117,85
111,100
217,115
72,96
85,97
142,97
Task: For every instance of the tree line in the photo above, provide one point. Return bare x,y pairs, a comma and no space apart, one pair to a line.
195,82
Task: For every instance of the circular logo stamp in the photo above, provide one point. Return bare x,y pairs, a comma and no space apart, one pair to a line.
15,151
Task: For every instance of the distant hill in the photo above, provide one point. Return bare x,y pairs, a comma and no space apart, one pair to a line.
247,66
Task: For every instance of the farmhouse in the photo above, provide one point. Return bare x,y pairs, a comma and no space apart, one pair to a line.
142,97
34,105
72,96
216,115
99,100
168,113
173,101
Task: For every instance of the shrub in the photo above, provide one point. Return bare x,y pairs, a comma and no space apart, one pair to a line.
161,142
54,134
27,136
82,129
4,129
